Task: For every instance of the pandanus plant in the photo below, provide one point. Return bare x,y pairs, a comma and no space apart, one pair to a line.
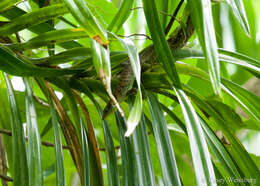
149,92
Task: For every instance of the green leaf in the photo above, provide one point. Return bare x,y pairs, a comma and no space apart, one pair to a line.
101,60
86,159
220,152
18,66
121,16
51,37
202,19
59,163
162,6
144,168
247,100
75,54
15,12
136,111
200,154
236,150
113,177
224,56
160,44
33,18
127,153
34,142
164,145
5,4
21,176
80,10
238,10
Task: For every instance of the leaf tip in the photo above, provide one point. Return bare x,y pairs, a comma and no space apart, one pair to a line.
130,128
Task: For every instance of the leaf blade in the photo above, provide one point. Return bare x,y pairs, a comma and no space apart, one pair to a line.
18,140
200,155
164,145
80,10
34,142
202,19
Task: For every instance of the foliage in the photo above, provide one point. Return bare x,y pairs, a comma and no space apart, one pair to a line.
150,92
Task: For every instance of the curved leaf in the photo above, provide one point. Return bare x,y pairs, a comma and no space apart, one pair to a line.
5,4
144,168
80,10
200,154
33,18
136,111
86,159
34,142
51,37
127,155
18,140
121,16
160,44
164,145
202,19
59,163
238,10
18,66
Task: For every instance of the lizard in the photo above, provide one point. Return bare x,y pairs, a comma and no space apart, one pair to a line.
177,40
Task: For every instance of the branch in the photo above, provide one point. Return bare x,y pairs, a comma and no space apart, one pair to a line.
6,178
173,17
44,143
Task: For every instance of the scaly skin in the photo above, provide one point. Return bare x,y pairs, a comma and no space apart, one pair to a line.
176,41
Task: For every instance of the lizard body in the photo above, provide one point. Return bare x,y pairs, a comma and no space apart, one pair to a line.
176,41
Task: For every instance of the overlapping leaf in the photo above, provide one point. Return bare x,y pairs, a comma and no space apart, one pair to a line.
238,10
121,16
136,111
21,176
33,18
80,10
164,145
202,19
34,142
5,4
18,66
200,154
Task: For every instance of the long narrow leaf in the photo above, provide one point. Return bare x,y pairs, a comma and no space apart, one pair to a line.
86,159
244,98
18,66
51,37
113,177
34,142
144,168
164,145
238,10
59,163
101,60
127,154
224,56
5,4
237,151
202,19
220,151
39,16
200,155
121,16
82,13
160,44
136,111
18,140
